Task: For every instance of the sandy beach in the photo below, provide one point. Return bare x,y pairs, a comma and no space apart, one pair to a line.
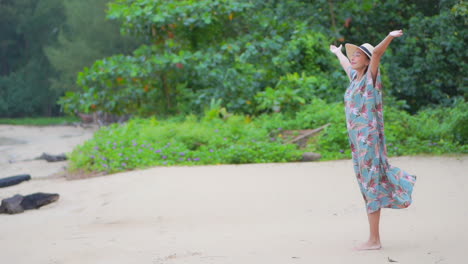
240,214
20,145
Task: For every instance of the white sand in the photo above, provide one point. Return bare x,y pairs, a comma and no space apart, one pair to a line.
36,140
259,213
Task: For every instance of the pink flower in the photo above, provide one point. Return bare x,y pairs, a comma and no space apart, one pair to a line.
399,192
367,163
372,124
361,137
353,148
398,176
382,195
378,107
352,107
362,89
364,111
372,183
384,185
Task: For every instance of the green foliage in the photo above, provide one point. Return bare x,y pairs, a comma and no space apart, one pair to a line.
26,26
433,131
426,66
139,84
308,52
234,50
433,71
25,93
84,37
443,124
220,74
371,21
154,79
461,10
332,143
270,56
290,93
154,17
148,142
227,63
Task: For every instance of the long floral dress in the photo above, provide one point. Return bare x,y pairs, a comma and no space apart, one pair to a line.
382,185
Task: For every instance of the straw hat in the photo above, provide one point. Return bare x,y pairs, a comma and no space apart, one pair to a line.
367,48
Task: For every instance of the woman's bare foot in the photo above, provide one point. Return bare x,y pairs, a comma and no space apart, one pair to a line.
369,245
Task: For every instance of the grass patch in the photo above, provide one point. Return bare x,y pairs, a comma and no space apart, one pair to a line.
39,121
142,143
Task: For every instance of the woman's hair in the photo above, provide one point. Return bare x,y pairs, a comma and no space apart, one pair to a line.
367,67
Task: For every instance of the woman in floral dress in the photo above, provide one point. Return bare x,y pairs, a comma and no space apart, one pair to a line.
382,185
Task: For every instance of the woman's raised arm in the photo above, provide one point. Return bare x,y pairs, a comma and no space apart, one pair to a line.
343,59
380,50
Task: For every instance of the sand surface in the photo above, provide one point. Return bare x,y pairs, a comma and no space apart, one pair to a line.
240,214
20,145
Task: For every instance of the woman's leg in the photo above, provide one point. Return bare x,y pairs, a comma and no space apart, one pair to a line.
374,237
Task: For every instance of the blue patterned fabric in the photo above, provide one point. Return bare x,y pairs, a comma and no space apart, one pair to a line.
382,185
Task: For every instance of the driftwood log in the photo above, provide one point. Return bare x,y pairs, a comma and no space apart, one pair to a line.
13,180
52,158
102,118
300,137
45,156
19,203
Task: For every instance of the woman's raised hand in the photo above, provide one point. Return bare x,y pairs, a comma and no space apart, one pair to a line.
335,49
396,33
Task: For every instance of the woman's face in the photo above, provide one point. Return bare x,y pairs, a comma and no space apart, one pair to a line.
359,60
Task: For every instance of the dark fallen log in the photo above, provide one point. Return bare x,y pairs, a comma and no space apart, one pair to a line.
87,118
52,158
37,200
102,118
12,205
18,203
45,156
13,180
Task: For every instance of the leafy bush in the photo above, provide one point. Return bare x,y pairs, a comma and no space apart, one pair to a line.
201,51
25,92
288,95
427,64
141,84
430,61
432,131
148,142
332,143
321,74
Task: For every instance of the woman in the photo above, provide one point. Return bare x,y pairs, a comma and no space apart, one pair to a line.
381,185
